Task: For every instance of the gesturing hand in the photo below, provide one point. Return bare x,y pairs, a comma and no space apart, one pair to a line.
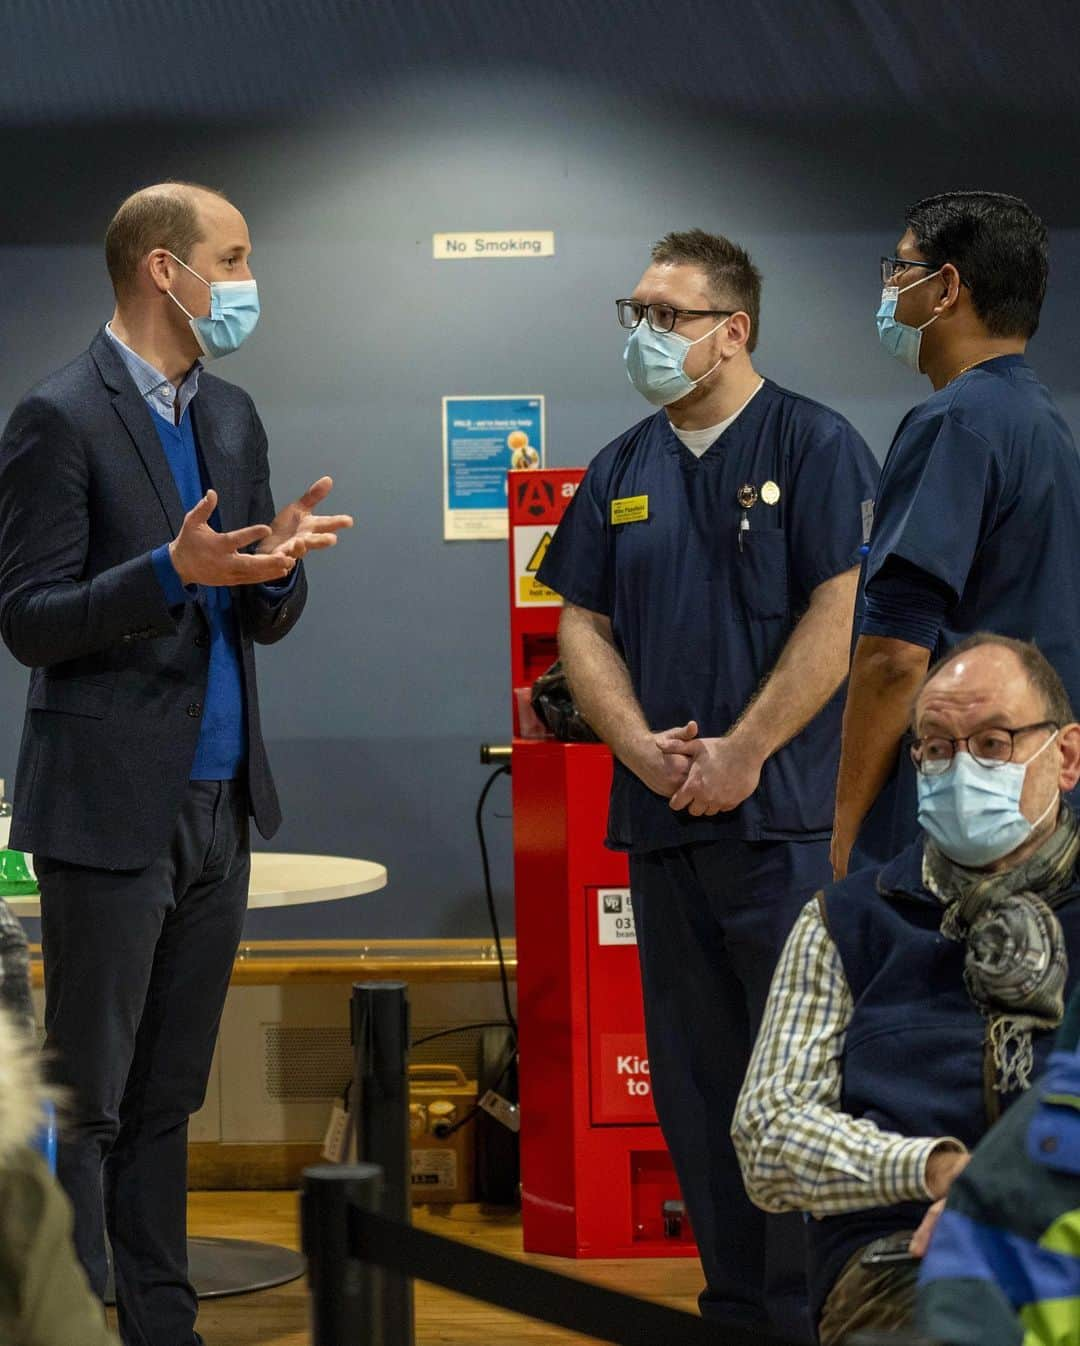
202,556
722,774
296,530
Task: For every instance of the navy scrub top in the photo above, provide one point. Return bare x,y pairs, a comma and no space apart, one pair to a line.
699,620
980,492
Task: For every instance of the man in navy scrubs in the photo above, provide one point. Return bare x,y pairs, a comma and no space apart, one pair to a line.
708,566
979,501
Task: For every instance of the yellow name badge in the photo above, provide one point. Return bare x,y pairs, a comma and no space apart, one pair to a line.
632,509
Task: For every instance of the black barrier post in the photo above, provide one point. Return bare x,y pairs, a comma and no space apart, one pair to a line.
380,1038
346,1292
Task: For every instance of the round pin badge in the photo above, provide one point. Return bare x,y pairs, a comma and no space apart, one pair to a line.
770,493
747,496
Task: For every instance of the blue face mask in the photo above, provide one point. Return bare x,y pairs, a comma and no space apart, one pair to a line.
234,311
655,360
973,811
899,338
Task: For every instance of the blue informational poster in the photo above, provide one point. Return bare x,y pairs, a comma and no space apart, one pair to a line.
483,438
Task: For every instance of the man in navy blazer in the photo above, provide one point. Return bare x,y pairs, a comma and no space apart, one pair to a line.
141,559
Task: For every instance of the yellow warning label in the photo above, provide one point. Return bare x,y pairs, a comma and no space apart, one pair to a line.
530,544
631,509
532,591
533,564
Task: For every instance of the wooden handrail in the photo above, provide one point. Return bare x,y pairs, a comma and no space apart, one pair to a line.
271,962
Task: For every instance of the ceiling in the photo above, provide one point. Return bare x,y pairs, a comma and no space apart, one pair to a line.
790,62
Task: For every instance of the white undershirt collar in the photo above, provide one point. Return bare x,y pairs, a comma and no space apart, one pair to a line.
697,441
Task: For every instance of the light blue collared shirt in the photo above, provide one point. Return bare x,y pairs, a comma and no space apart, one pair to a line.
167,401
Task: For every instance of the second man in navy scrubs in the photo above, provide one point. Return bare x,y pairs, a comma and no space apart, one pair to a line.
708,564
979,502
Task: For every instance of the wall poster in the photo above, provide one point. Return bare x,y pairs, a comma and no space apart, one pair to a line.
483,438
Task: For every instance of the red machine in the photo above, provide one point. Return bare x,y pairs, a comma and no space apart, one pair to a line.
597,1180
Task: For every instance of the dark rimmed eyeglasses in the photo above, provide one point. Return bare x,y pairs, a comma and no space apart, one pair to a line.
891,267
991,747
662,317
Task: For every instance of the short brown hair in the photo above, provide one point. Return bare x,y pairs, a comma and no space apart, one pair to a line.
162,216
733,277
1041,673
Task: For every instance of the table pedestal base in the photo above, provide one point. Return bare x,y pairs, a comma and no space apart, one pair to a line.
220,1267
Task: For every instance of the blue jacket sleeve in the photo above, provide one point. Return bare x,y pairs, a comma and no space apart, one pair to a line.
172,586
274,591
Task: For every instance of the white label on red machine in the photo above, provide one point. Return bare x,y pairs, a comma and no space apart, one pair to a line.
615,917
434,1168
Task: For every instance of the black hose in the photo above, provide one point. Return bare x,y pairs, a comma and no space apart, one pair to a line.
489,894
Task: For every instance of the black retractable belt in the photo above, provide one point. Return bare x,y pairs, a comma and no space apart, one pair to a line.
363,1236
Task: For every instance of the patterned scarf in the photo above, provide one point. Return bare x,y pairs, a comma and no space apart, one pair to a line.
1015,962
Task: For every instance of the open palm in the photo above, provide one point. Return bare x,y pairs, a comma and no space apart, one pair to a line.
297,529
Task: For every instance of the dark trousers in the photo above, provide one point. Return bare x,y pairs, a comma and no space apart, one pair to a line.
137,965
711,921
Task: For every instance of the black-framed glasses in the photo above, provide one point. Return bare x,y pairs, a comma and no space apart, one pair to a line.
892,266
662,317
933,755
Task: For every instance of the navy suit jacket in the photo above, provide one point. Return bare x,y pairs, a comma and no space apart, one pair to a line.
118,680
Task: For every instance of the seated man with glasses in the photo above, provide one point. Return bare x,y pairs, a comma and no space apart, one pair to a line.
915,1002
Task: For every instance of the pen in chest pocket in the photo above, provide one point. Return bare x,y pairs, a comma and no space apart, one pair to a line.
746,497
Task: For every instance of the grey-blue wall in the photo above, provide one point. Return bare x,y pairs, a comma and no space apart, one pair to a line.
376,705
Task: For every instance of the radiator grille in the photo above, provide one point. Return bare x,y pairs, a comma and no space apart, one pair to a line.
315,1064
306,1064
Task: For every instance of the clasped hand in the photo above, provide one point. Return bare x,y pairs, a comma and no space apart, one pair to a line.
202,556
720,772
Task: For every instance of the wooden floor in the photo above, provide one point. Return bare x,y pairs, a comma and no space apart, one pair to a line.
279,1317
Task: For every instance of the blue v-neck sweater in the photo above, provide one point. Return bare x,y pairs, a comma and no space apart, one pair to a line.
222,748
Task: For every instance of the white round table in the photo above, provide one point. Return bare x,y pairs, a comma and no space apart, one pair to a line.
283,879
219,1267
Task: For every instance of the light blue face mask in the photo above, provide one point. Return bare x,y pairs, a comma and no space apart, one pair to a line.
973,811
234,311
899,338
655,360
